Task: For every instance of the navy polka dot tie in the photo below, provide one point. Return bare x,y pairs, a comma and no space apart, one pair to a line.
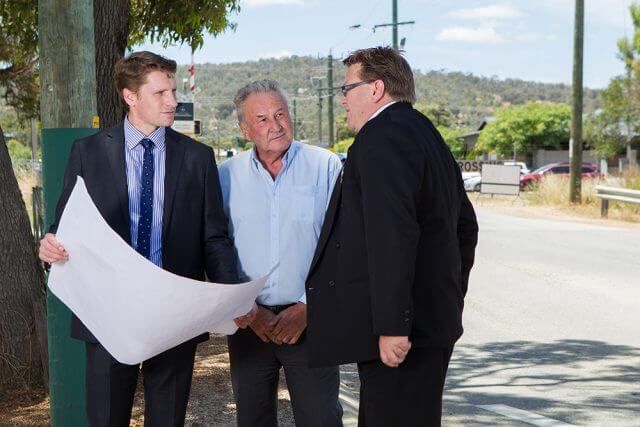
146,200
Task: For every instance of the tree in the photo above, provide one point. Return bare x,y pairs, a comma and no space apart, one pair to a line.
18,57
122,23
225,110
440,115
118,24
526,129
23,337
451,138
609,129
111,29
342,130
629,86
343,145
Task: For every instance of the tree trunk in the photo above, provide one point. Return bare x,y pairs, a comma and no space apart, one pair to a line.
111,27
23,335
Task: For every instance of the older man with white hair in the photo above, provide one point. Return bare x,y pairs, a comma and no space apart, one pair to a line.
275,197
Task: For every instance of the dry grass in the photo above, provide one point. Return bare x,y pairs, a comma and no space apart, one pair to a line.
553,191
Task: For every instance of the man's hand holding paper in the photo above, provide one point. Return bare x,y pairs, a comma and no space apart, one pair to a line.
135,309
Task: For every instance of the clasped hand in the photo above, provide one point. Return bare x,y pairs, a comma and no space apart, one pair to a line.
283,328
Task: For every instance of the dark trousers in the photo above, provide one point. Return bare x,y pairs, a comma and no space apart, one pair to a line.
255,370
111,386
409,395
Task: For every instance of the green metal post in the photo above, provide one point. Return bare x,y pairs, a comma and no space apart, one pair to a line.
68,106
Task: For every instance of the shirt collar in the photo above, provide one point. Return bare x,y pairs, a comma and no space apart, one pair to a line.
286,159
374,115
132,136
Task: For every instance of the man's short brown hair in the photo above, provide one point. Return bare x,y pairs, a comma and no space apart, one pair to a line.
131,71
386,64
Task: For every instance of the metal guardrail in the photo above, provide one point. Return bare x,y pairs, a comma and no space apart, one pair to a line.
617,194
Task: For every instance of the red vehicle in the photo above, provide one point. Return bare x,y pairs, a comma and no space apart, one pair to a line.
589,170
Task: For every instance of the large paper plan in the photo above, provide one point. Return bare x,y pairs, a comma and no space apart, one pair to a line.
134,308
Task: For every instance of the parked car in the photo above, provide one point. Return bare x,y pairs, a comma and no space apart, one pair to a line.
523,166
472,181
589,170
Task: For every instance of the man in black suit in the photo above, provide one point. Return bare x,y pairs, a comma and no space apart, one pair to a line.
159,190
387,282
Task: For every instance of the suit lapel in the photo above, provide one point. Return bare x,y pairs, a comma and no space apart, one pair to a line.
173,165
114,146
329,220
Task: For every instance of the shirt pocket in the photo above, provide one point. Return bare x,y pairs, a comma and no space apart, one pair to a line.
303,204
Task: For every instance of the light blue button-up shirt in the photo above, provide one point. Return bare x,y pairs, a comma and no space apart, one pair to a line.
278,221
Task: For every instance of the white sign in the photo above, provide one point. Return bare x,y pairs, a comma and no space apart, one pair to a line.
500,179
187,127
473,165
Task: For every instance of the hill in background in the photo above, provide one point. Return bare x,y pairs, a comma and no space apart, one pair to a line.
468,97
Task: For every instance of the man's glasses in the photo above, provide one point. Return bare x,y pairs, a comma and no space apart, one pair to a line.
346,88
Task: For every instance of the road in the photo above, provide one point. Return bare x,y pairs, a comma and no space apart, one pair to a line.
552,328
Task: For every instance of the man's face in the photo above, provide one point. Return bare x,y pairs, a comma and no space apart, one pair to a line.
154,104
358,102
266,122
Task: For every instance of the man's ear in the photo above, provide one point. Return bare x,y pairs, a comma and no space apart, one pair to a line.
378,90
243,129
130,97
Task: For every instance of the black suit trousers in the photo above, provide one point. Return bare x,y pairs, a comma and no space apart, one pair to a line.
409,395
255,371
111,387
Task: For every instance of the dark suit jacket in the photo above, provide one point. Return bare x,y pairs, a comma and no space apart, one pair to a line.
194,227
397,245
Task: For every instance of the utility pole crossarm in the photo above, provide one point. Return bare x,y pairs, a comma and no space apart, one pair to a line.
394,24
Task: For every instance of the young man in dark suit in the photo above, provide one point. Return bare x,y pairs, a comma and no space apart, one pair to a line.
386,286
159,190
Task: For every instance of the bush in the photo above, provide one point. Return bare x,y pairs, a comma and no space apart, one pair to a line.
343,146
18,151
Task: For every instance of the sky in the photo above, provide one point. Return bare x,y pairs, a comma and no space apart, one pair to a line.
524,39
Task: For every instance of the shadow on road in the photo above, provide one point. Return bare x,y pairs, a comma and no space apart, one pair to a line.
568,380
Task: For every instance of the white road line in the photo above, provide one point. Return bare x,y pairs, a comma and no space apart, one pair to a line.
524,416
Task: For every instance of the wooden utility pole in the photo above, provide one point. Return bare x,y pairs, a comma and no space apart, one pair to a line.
576,115
68,106
330,118
67,63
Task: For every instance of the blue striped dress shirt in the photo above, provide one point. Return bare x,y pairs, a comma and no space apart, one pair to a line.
278,221
134,153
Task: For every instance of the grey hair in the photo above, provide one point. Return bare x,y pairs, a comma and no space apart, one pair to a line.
258,86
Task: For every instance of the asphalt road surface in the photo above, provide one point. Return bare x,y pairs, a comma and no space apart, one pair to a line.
552,328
